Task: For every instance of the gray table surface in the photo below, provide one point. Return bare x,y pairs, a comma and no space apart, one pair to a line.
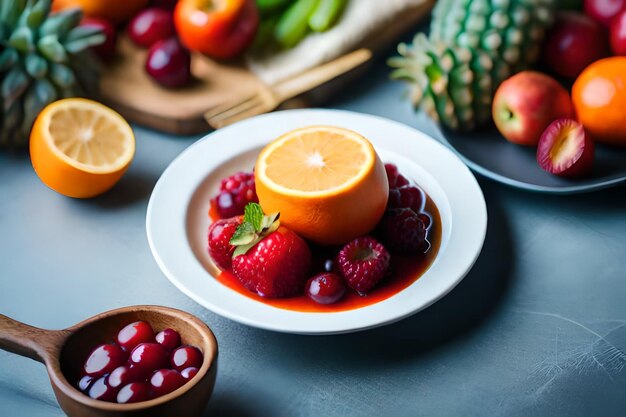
538,327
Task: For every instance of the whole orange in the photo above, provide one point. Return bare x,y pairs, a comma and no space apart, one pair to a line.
599,96
117,11
328,183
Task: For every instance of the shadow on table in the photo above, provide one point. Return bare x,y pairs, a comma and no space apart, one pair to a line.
457,314
230,404
133,187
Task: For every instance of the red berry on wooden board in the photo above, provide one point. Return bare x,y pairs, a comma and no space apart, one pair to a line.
103,359
603,11
168,338
149,357
169,63
165,381
150,26
573,43
134,393
133,334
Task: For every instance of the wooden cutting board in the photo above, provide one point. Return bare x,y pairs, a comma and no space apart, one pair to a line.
126,87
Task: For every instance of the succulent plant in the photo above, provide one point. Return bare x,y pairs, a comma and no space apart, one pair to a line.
472,47
43,57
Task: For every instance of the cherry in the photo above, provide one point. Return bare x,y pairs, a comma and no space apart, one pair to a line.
185,357
165,381
325,288
134,393
101,390
105,50
125,374
604,10
148,357
150,26
85,382
189,373
103,359
134,334
168,63
168,338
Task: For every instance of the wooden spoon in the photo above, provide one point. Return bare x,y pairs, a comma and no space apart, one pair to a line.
64,351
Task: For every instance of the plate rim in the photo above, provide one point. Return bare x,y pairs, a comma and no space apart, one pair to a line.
503,179
319,113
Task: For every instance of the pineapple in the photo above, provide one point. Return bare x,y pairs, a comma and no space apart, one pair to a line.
43,57
473,46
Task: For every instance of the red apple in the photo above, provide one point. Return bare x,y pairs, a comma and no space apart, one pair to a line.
526,103
105,50
604,10
565,149
618,33
574,42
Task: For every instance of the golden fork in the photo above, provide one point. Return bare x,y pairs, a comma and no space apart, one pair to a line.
268,98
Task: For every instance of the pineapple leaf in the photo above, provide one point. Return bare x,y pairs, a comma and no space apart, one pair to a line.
13,86
37,14
84,43
36,66
51,49
11,10
38,96
61,23
22,39
62,76
8,58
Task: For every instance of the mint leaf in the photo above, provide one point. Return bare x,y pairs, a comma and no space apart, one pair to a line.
253,214
269,220
244,234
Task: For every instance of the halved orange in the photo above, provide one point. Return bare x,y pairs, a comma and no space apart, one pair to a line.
328,183
80,148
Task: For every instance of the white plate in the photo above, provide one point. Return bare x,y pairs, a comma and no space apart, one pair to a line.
177,220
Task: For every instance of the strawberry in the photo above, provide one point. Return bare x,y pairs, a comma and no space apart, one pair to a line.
220,249
363,262
269,260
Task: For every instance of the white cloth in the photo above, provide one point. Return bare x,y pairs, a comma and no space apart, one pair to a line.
359,19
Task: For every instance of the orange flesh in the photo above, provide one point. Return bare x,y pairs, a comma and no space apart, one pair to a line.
85,137
313,162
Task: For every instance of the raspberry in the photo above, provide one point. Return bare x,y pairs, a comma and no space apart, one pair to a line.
404,231
220,249
363,262
394,177
235,192
407,196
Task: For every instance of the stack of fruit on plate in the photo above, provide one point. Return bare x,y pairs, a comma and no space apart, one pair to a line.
475,67
333,221
171,29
